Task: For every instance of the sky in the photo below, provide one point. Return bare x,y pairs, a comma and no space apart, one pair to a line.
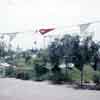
23,15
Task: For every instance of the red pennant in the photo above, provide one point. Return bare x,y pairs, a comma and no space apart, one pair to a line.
44,31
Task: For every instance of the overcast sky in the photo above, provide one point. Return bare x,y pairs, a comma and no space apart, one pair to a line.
20,15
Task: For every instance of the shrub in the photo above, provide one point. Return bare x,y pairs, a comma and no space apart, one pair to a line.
40,71
96,77
56,78
10,72
60,77
23,75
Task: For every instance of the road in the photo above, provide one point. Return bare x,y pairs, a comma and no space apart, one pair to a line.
15,89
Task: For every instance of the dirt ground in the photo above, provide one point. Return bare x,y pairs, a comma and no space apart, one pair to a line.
15,89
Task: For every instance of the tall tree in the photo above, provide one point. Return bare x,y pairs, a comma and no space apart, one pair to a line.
55,57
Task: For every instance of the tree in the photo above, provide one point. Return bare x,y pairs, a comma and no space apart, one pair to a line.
3,51
55,57
73,49
80,54
85,52
95,55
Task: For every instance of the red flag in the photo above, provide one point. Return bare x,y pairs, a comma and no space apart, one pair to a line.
43,31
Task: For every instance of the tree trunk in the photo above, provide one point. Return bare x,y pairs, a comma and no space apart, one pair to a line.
81,77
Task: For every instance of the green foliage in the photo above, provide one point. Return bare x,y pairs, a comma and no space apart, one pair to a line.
75,73
88,73
39,68
25,75
3,51
96,77
10,72
39,71
43,54
55,56
44,63
55,52
56,78
71,49
67,76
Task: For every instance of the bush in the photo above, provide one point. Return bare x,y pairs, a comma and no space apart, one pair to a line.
96,77
10,72
60,77
23,75
56,78
40,71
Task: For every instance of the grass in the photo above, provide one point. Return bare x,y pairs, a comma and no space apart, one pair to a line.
74,74
88,74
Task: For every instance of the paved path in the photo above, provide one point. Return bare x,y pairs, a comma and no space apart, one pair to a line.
14,89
